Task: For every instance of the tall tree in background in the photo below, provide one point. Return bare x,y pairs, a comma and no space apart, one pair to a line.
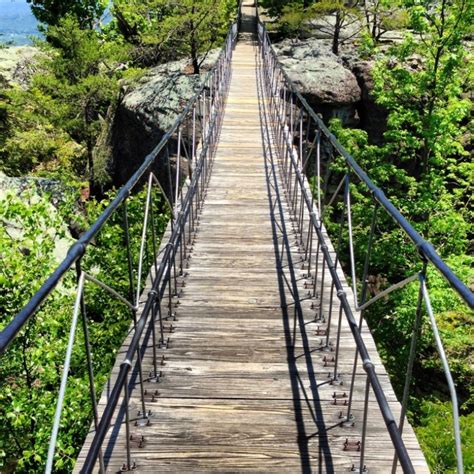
335,16
421,84
276,8
427,172
338,15
82,77
382,16
161,30
86,12
196,26
52,126
293,21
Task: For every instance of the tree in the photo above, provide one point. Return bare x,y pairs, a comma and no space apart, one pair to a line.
274,7
80,76
52,126
338,15
197,25
382,16
421,84
423,164
293,22
86,12
162,30
425,170
30,143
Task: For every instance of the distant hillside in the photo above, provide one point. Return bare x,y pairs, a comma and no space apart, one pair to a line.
17,23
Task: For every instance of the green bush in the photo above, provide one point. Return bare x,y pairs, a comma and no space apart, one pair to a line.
33,237
435,432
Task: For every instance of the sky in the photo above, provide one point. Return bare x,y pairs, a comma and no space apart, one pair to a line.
17,22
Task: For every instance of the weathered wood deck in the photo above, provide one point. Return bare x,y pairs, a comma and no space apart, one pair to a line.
234,395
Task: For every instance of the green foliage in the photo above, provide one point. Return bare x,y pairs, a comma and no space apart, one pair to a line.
394,19
343,20
366,45
275,7
421,87
436,433
161,30
421,84
343,14
427,174
392,322
382,16
30,142
29,231
33,237
51,12
52,126
391,319
293,22
329,6
455,324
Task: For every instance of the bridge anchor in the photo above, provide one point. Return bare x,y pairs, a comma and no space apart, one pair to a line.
126,468
347,421
356,469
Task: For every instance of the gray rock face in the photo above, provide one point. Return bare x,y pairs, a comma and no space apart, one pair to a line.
148,110
18,63
51,187
321,77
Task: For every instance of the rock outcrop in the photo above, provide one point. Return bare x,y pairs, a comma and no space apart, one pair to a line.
18,63
147,111
335,86
320,76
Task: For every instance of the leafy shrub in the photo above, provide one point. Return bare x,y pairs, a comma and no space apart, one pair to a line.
33,237
435,433
293,22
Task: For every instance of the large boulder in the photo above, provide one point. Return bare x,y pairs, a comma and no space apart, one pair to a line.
320,76
147,111
18,63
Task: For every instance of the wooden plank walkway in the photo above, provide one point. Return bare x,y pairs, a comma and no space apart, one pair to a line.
235,396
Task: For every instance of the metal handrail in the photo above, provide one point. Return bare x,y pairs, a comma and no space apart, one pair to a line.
204,109
290,111
163,277
314,224
158,289
425,248
78,249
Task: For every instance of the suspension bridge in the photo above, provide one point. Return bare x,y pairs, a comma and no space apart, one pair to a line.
248,350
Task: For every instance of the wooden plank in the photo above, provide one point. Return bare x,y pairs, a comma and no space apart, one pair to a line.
244,381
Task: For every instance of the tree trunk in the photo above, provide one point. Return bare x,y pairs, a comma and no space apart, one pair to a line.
194,55
194,46
337,33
